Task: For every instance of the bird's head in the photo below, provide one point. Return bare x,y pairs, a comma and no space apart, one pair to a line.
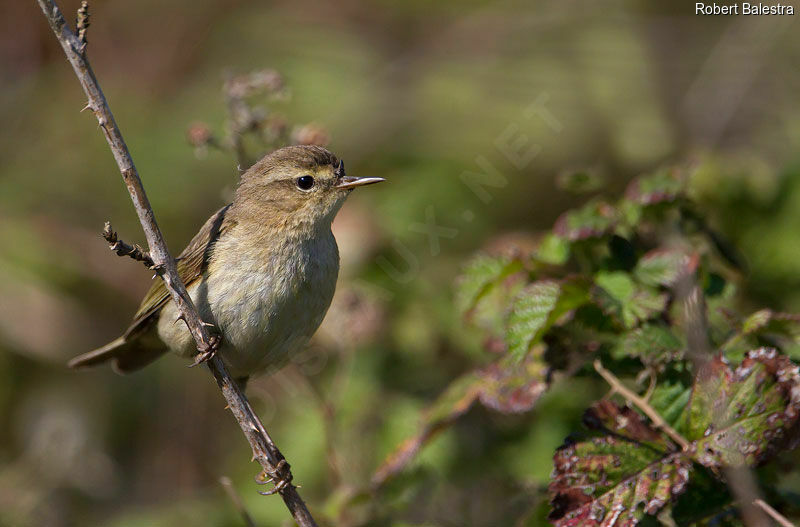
295,187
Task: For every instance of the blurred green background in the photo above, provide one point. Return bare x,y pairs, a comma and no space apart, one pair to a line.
424,94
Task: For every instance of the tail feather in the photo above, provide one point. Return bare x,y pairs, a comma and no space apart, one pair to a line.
127,355
110,351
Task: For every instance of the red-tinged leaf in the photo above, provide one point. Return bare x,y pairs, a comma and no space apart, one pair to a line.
591,221
505,386
729,417
610,481
456,399
662,186
511,388
737,417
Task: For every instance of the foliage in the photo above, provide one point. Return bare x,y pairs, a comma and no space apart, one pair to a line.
619,281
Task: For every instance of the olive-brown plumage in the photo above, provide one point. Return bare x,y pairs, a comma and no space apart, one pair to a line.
262,270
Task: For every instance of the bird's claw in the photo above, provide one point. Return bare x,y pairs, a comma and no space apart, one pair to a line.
211,350
281,478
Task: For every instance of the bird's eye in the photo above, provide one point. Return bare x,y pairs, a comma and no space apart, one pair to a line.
305,182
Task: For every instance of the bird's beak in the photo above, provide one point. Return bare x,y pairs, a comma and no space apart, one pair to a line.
349,182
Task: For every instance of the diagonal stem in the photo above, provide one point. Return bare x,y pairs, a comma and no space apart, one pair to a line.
642,404
264,450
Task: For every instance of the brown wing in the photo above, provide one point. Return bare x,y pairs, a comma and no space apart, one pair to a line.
192,262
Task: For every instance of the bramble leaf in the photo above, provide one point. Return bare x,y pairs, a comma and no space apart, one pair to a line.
505,386
593,220
662,186
618,477
780,330
553,250
661,267
735,417
628,467
651,343
537,307
618,295
479,276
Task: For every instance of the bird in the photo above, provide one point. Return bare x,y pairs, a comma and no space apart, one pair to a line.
261,271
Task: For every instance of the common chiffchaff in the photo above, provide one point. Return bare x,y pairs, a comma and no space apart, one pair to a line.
262,270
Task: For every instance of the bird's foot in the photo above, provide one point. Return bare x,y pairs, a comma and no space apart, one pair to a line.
211,349
281,478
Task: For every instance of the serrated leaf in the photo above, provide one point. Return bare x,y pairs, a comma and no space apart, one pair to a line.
735,417
617,477
618,295
651,344
757,321
481,274
662,186
593,220
728,418
537,307
781,330
661,267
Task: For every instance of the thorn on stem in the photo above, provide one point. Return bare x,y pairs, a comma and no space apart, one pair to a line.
82,24
124,249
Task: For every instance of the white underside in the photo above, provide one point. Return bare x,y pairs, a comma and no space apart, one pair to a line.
266,303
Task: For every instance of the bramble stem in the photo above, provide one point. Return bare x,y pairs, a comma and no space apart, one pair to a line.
264,450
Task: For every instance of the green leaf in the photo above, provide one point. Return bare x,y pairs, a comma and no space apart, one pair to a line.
553,250
651,344
593,220
661,267
480,275
781,330
618,295
537,307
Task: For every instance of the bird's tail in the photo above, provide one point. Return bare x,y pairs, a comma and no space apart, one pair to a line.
127,355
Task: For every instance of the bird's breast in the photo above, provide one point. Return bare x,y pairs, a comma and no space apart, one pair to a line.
267,301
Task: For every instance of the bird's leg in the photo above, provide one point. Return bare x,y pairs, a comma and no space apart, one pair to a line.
281,477
211,349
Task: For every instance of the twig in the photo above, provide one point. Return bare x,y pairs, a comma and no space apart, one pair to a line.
775,515
644,406
82,22
124,249
227,484
264,450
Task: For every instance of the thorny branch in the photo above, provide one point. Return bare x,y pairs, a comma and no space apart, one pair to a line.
276,469
126,249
